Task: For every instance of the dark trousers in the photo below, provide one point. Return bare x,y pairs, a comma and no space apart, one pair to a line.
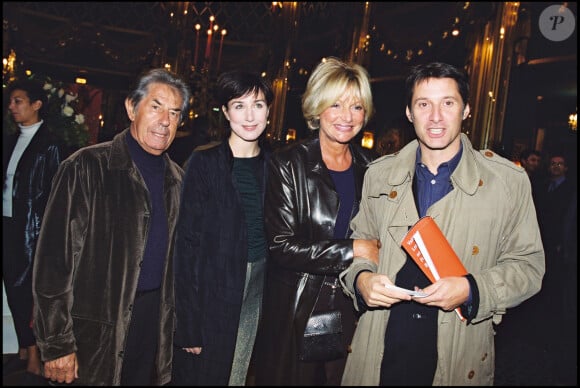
19,297
142,340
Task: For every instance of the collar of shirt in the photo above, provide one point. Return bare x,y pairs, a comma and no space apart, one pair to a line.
431,188
555,183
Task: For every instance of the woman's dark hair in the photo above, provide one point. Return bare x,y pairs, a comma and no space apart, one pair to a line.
436,70
237,83
34,90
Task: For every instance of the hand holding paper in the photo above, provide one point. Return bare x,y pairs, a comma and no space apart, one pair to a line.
429,248
416,294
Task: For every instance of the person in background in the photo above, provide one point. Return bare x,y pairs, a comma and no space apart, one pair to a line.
569,260
103,272
388,141
556,206
531,161
30,160
554,196
313,190
482,202
392,137
221,249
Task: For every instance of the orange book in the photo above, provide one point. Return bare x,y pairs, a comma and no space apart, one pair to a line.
429,248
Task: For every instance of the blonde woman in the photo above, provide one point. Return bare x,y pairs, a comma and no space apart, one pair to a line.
313,192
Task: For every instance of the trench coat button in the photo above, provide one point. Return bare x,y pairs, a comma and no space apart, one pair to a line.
475,250
489,154
349,349
484,357
470,375
480,183
393,194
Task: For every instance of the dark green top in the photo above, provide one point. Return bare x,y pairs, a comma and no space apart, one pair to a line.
244,172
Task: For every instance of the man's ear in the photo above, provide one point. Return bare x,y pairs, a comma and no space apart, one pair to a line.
466,111
130,109
409,114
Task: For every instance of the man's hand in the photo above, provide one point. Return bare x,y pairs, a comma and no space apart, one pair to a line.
374,292
446,293
63,370
368,249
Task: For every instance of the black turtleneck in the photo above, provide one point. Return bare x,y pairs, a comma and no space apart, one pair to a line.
152,169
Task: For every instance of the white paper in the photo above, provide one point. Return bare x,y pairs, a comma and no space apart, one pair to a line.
417,294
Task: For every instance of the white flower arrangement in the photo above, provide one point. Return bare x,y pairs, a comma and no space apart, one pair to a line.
63,116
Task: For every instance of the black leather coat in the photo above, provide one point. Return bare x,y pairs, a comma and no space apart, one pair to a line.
30,190
300,212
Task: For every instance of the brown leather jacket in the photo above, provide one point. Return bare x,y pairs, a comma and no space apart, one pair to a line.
88,260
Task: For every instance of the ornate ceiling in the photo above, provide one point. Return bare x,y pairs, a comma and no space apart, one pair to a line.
114,41
111,42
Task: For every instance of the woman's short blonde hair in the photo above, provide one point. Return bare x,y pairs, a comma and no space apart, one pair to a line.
329,81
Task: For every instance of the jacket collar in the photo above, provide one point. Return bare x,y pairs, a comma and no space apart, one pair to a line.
315,164
314,154
119,158
466,176
225,149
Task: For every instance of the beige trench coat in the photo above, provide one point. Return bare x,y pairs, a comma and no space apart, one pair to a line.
490,221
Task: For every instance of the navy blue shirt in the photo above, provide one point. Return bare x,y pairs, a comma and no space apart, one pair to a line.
344,184
431,188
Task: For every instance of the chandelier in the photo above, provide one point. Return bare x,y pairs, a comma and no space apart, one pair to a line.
573,121
8,64
195,51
